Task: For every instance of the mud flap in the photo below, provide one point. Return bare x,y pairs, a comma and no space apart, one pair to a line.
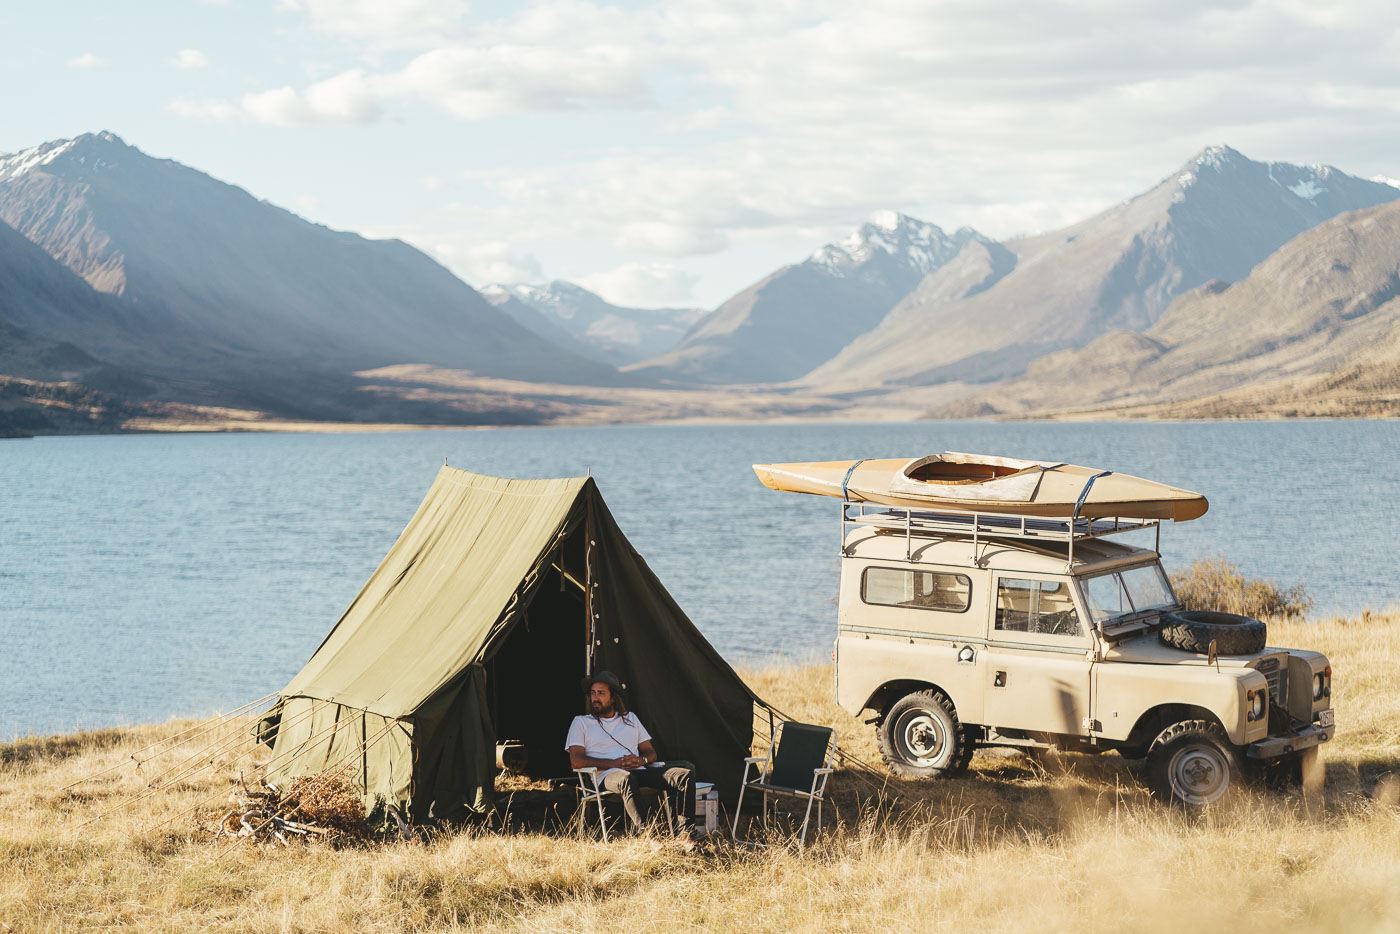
1313,770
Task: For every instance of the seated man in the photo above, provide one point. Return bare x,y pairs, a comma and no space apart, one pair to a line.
611,738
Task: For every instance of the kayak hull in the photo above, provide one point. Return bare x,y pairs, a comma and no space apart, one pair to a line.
986,484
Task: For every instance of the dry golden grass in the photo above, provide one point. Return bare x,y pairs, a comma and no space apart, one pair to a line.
1070,844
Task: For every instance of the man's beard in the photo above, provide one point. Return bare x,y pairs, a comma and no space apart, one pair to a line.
602,711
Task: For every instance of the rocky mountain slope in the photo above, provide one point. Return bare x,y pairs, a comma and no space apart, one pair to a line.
48,384
1319,318
798,317
211,280
571,316
984,317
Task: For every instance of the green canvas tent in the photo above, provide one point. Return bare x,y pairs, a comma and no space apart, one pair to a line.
476,627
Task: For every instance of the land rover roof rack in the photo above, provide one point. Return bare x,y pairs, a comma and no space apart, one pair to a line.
984,525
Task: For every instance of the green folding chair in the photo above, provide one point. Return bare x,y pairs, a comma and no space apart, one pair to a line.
797,765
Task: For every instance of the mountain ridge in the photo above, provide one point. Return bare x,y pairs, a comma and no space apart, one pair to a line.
798,316
1216,217
572,316
216,279
1325,303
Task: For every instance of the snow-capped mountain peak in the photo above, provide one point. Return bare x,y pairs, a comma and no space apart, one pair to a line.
16,164
91,150
922,245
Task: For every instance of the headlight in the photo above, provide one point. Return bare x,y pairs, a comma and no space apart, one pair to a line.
1318,685
1257,702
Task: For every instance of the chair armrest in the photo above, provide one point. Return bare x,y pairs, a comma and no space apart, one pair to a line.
755,758
587,770
823,771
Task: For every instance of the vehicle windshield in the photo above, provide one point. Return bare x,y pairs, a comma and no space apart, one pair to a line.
1133,590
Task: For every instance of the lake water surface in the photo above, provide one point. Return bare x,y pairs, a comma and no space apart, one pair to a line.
148,576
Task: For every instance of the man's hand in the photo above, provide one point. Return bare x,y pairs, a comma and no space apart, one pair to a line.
632,762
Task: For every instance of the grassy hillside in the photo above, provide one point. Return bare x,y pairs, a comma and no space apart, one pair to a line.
1072,843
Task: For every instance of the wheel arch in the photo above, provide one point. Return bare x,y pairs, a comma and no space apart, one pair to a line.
1156,719
885,696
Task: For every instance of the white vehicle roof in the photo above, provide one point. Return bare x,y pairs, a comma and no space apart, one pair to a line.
1090,557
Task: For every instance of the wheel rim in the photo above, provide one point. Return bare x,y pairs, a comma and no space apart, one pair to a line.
1200,774
920,738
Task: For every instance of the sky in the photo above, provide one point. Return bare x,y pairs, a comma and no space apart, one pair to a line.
672,153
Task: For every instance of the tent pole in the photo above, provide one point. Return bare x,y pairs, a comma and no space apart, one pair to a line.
587,590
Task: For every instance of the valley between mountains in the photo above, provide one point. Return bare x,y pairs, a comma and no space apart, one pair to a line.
137,293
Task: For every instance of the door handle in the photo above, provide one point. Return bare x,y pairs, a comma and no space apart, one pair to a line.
999,680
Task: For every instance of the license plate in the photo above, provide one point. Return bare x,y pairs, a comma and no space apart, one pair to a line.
1326,717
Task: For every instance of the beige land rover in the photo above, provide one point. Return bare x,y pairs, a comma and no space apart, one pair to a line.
959,632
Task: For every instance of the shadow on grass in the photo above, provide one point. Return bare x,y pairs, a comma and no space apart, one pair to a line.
55,748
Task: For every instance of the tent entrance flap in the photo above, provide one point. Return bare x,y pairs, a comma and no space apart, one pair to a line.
533,679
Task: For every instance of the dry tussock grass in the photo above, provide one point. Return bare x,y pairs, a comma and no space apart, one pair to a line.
1216,584
1070,843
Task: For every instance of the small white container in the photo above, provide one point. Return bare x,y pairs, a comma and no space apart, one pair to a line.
707,806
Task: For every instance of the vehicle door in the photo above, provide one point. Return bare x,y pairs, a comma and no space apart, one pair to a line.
1038,657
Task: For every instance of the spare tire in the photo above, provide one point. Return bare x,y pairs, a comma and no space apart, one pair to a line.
1195,630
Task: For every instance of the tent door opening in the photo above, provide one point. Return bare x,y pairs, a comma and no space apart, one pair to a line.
533,680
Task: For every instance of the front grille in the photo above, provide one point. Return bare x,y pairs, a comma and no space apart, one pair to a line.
1277,676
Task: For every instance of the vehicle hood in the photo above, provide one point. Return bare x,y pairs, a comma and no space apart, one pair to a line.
1148,649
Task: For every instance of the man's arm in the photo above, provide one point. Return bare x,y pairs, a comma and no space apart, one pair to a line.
647,752
578,759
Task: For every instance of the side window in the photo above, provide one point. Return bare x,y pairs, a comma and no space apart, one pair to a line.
922,590
1042,607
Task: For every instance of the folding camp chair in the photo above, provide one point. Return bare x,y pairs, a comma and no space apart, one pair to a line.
798,765
591,790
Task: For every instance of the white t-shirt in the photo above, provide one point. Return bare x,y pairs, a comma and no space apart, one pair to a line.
612,738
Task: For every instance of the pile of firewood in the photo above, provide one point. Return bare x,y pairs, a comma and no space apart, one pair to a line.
322,807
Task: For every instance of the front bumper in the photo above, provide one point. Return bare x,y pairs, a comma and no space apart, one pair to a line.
1274,746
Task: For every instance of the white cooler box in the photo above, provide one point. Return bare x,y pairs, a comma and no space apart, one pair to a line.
707,806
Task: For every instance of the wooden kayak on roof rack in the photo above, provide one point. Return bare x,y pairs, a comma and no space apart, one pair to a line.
984,483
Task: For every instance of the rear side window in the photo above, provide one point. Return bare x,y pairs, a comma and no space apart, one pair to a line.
1042,607
922,590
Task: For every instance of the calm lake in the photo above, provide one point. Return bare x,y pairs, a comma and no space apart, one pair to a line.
149,576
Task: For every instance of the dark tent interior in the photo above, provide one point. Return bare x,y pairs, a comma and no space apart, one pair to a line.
533,680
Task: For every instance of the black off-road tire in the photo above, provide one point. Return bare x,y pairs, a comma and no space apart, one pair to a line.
921,737
1192,764
1195,630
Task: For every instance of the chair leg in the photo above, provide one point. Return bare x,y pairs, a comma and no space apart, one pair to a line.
802,839
734,831
602,818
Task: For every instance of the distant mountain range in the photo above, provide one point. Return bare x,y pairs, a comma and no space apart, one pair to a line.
573,317
1318,321
800,316
985,317
212,281
128,282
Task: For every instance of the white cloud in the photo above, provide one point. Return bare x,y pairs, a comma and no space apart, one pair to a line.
493,262
349,97
398,23
751,123
86,61
477,82
189,59
642,285
434,182
307,205
669,239
706,118
562,55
